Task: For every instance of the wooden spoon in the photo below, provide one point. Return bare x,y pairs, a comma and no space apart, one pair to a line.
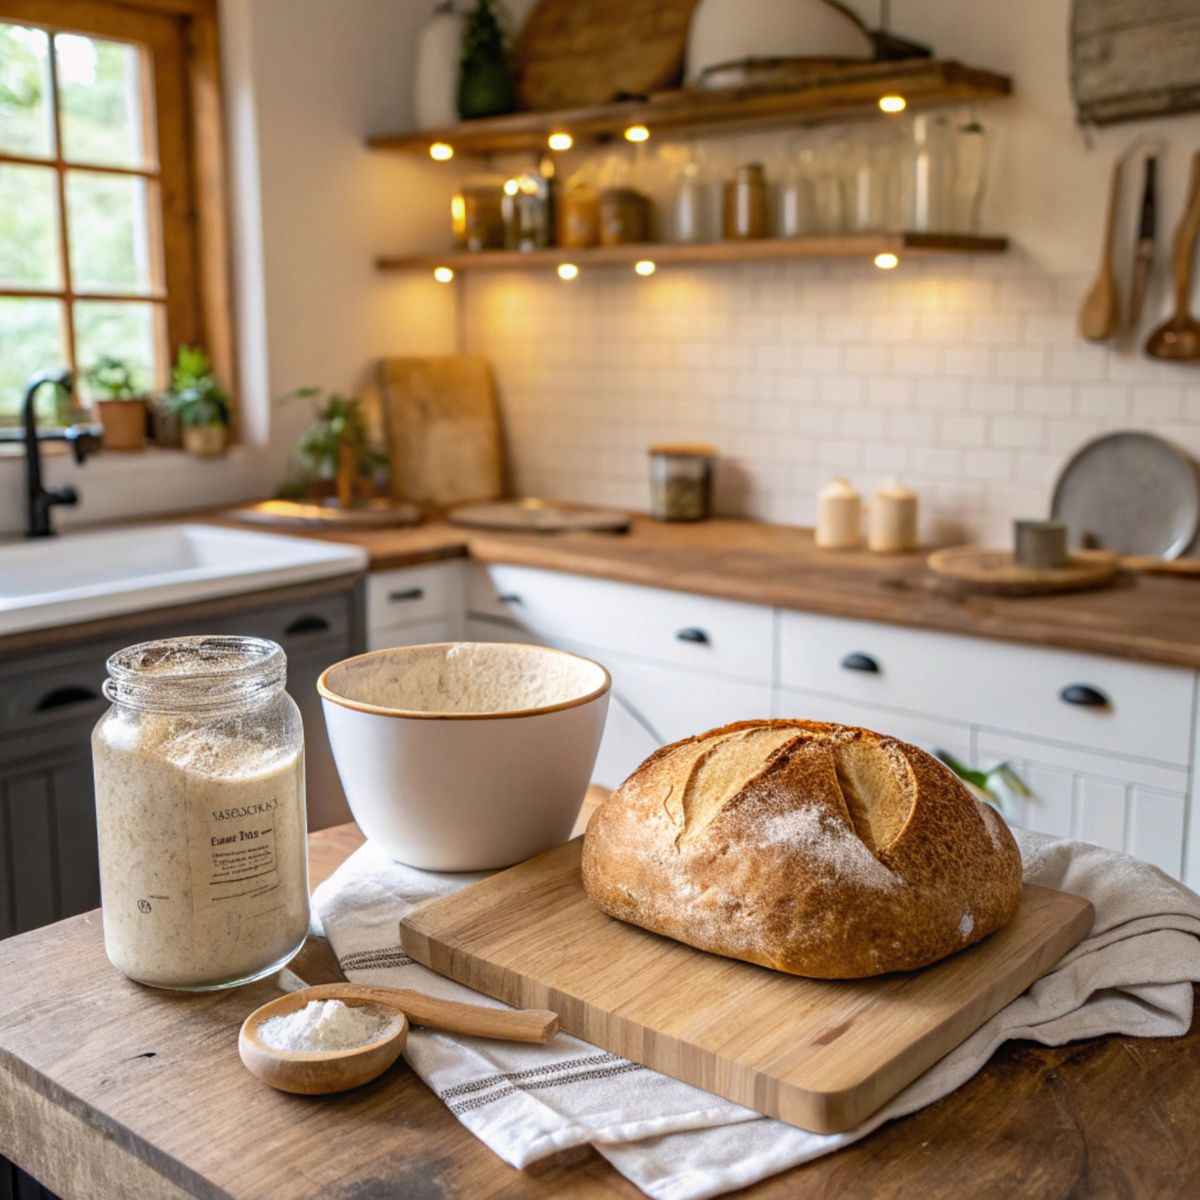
1101,311
317,1072
1178,338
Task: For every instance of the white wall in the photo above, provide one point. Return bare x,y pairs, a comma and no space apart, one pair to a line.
305,81
965,376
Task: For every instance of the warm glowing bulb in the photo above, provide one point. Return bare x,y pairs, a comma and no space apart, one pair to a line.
443,274
892,103
567,271
644,266
637,133
886,260
441,151
560,139
511,187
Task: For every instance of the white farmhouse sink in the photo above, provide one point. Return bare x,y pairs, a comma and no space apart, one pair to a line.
83,576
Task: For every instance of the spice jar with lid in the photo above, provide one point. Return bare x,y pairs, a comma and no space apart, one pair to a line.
475,214
681,481
200,809
744,213
839,516
892,519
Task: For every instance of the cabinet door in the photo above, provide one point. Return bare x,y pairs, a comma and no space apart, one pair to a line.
653,704
1126,805
418,634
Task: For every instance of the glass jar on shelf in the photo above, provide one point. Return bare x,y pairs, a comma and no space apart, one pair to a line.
691,204
579,211
476,219
873,181
795,209
681,481
831,166
528,206
744,205
928,174
972,158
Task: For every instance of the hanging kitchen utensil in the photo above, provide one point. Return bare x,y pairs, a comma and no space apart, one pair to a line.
1143,248
1129,492
1178,338
1100,313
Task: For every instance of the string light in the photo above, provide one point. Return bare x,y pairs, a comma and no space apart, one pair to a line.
441,152
886,260
567,271
644,266
560,139
891,103
637,133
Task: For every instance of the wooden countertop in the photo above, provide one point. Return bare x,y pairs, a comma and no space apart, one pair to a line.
1151,618
110,1089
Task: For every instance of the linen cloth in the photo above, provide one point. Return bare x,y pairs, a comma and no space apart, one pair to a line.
1132,975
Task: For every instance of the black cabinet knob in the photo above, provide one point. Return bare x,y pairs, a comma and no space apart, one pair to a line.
692,634
856,661
413,593
509,598
307,624
1084,695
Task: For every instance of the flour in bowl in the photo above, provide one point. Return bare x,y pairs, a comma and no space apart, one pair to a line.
465,678
327,1025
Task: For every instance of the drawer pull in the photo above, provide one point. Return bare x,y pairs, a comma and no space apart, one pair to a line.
1083,695
413,593
857,661
64,696
307,624
510,598
692,634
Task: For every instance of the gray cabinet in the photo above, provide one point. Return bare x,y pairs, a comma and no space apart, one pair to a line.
50,699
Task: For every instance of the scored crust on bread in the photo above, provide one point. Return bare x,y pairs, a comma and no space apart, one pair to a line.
822,850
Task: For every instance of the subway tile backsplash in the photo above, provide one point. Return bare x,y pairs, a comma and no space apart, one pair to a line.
965,377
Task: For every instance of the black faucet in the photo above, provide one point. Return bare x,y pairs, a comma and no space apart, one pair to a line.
82,439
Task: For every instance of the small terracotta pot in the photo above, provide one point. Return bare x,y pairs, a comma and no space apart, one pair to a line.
205,441
124,423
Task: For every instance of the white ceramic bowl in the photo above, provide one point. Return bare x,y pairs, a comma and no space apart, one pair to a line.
465,756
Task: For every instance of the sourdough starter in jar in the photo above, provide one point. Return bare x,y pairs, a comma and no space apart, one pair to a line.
199,770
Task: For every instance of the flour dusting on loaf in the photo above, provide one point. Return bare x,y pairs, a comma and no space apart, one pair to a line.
816,849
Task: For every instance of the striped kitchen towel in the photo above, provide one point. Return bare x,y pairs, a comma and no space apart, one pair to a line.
1132,975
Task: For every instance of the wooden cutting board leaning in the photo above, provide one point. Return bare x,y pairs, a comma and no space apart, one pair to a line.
818,1054
441,423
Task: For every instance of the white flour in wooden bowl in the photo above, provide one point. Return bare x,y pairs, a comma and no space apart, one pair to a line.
465,678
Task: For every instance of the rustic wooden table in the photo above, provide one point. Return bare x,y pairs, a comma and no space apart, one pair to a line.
111,1089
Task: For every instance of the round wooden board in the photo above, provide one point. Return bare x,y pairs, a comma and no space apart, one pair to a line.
572,53
375,514
995,571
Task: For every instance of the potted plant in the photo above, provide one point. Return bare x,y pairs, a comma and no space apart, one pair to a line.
485,82
335,454
121,407
199,403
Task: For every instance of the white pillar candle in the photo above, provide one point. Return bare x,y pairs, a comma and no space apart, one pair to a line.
892,519
839,516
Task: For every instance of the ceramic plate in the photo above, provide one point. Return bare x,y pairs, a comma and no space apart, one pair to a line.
1133,493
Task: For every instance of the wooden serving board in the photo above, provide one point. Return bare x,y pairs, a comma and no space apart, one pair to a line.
821,1055
996,571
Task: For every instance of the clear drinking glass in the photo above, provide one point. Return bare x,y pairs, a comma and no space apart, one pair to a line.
972,157
831,164
691,205
795,206
929,173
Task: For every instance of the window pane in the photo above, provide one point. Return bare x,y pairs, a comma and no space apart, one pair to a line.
110,218
31,340
100,101
29,227
26,121
131,332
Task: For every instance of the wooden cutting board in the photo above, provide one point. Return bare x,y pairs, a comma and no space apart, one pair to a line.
998,573
441,425
821,1055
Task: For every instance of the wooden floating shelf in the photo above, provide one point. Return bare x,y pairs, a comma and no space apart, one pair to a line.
850,245
831,95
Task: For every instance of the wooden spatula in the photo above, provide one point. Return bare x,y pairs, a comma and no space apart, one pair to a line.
1100,314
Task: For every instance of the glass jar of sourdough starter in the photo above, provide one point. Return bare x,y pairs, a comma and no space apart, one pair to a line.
199,769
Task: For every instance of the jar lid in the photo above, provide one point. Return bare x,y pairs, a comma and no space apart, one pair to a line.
684,450
838,488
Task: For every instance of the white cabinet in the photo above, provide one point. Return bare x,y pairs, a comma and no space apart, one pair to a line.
411,605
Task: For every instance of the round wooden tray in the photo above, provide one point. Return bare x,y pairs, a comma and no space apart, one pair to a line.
994,571
303,514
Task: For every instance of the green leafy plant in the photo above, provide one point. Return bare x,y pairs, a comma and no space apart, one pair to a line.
195,397
485,82
112,378
339,422
985,781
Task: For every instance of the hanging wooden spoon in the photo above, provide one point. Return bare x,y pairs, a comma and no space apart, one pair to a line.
1101,311
317,1072
1178,338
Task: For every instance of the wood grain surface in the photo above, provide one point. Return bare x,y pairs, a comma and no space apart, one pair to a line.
821,1054
95,1101
1146,618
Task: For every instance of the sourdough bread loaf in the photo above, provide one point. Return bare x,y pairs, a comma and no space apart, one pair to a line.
821,850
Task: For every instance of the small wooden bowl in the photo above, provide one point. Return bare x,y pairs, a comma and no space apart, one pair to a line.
317,1072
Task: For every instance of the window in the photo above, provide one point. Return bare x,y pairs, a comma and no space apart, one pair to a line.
109,117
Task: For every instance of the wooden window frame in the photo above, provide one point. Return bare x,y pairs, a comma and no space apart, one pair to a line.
181,36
